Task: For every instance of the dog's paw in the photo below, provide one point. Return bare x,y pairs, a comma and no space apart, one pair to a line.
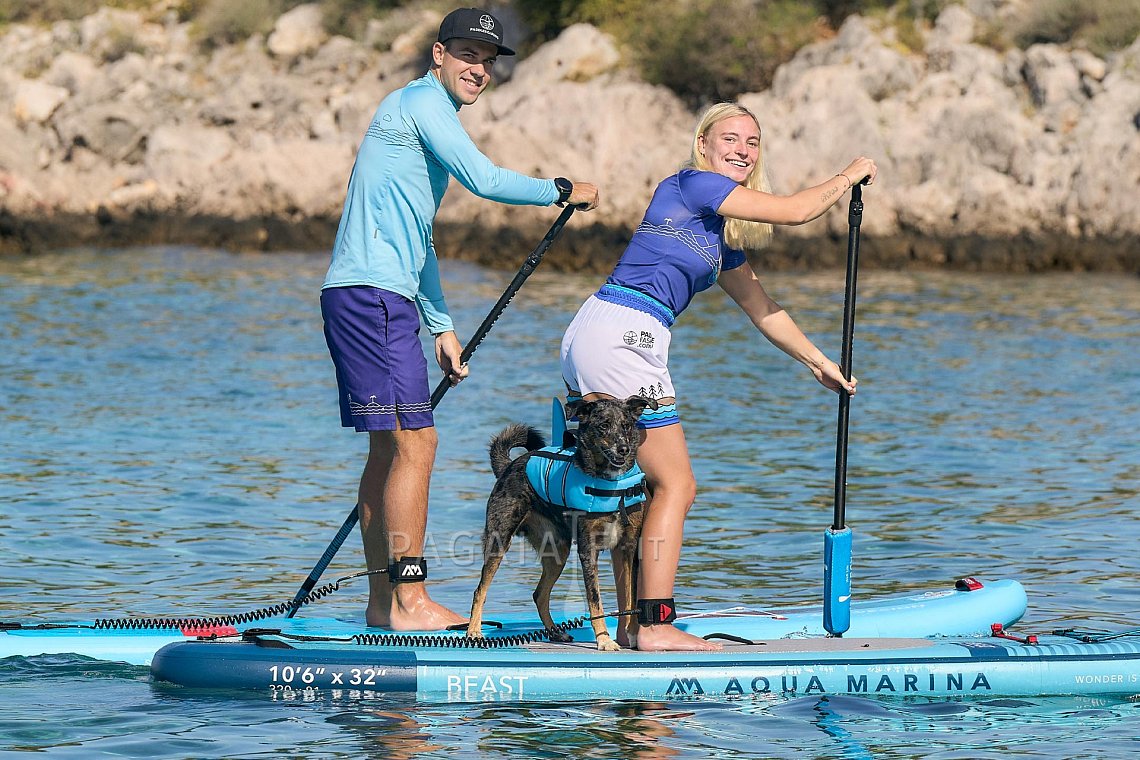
474,632
606,644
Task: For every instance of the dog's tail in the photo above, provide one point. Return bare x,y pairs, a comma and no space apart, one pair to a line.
513,436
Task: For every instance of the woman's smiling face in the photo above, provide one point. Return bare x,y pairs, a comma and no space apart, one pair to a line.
731,146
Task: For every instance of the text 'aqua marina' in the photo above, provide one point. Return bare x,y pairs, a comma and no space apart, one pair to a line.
905,683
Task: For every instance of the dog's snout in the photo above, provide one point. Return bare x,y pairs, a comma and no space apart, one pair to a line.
623,449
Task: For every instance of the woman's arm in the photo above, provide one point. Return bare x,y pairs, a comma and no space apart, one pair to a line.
798,208
777,326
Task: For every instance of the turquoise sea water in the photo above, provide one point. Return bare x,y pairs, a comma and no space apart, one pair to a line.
170,446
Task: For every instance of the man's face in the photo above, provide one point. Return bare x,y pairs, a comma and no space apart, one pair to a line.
464,67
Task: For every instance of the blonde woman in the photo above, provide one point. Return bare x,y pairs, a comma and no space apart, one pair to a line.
695,231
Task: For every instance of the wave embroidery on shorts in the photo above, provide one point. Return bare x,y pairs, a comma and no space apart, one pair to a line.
665,414
372,408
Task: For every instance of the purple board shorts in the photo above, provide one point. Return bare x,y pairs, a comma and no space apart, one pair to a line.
373,337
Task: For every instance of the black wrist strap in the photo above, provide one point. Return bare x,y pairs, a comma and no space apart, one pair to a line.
654,611
408,570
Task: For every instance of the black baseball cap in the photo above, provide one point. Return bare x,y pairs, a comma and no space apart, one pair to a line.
473,24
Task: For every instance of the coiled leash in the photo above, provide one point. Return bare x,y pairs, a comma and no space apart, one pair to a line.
648,612
404,570
258,635
190,625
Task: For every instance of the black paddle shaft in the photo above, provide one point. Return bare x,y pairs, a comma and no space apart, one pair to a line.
854,220
531,263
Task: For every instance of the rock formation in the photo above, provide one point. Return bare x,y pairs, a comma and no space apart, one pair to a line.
120,130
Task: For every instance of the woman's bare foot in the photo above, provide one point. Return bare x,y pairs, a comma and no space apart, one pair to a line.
664,637
412,609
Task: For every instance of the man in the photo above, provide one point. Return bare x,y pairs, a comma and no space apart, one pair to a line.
384,276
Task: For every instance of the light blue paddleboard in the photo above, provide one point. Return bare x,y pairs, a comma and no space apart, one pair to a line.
945,612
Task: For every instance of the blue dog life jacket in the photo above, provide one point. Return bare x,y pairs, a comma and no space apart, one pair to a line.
559,481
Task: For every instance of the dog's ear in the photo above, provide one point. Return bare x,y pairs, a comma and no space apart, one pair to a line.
635,405
580,409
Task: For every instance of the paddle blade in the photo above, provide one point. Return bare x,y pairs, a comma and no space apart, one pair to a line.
557,423
837,581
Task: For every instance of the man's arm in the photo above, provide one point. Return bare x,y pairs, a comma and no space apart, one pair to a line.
439,128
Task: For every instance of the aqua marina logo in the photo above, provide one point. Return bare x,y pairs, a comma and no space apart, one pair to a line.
486,22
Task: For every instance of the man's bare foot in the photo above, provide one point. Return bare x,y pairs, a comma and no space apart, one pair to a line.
664,637
411,609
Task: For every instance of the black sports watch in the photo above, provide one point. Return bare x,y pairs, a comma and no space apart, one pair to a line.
565,187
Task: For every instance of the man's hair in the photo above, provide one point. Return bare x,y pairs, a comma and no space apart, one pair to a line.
738,233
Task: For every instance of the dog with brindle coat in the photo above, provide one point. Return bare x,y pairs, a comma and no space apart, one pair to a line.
607,442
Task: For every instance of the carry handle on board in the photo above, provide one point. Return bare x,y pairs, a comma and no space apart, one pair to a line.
837,538
531,263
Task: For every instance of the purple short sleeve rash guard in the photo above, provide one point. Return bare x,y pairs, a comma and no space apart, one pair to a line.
677,250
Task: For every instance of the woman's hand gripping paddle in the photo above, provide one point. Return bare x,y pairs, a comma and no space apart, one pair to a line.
837,538
531,263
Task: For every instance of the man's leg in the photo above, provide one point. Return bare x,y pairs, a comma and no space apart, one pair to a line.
370,500
393,523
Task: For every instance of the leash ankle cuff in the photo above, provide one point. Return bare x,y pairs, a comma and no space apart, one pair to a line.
408,570
654,611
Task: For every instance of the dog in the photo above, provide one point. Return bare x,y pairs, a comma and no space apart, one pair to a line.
607,442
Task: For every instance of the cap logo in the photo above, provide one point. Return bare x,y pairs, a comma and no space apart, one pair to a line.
486,22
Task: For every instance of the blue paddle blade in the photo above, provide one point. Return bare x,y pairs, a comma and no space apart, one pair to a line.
837,581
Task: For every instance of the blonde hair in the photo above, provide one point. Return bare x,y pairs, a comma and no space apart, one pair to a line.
738,233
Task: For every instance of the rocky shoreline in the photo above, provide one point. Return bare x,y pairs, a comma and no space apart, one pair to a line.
1023,161
585,247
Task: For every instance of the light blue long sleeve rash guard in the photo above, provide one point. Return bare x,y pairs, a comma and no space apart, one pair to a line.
414,143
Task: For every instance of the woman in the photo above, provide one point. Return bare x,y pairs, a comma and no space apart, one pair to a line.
695,230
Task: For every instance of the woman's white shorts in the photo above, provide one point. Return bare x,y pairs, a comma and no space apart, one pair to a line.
619,351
